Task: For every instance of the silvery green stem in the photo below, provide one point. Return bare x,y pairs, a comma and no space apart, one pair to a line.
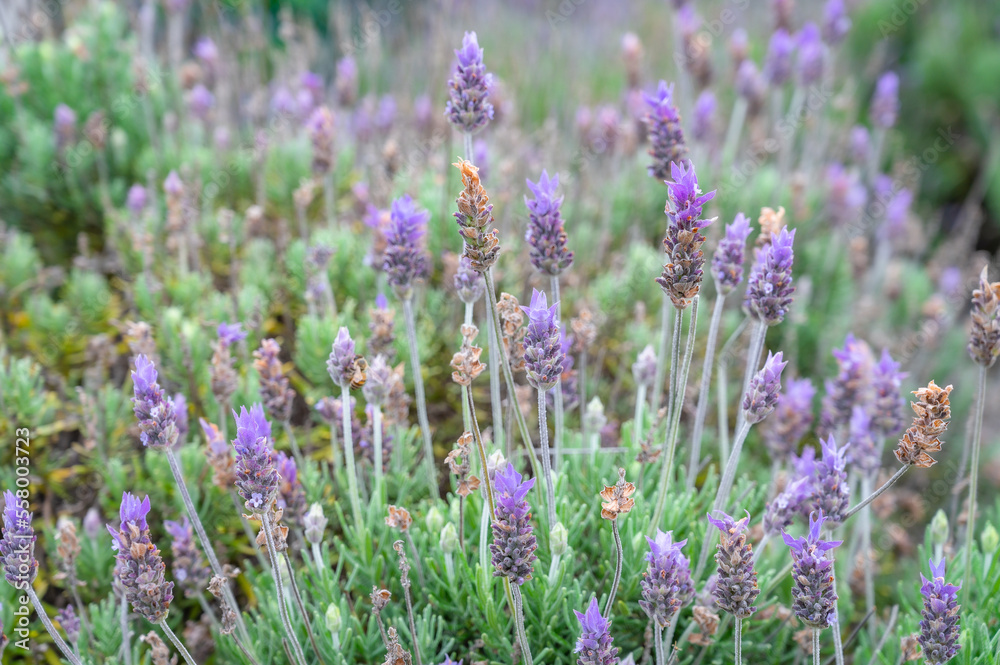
206,544
352,472
177,643
671,629
418,388
661,356
816,659
247,531
56,637
739,640
704,391
866,545
298,602
640,402
554,568
722,368
618,569
469,307
318,559
123,625
280,589
732,141
658,644
467,144
558,393
416,557
494,345
413,625
377,435
522,636
970,526
543,433
294,444
788,142
838,643
758,333
874,495
449,567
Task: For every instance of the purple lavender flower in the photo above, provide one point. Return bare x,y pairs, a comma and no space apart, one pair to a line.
791,502
852,385
514,544
769,288
385,113
137,199
291,496
65,124
831,493
256,478
346,81
885,101
313,84
666,584
230,333
200,101
543,354
896,211
845,196
17,546
155,411
481,157
739,43
644,367
545,234
939,629
666,139
762,394
861,144
469,284
405,258
793,416
189,567
278,396
682,274
469,108
814,594
727,262
809,64
140,568
594,645
172,185
322,130
206,52
736,589
340,364
888,406
836,22
703,126
778,62
70,623
750,85
865,452
448,661
181,416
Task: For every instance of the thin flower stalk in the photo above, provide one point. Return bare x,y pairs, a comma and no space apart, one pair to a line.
704,389
418,388
664,350
494,346
722,383
404,569
56,637
301,606
522,635
352,469
560,414
267,527
616,501
977,434
177,644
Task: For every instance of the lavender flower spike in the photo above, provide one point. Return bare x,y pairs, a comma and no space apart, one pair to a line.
736,589
888,406
189,567
666,584
543,353
469,108
666,139
70,623
340,364
836,22
644,367
405,258
256,477
514,544
939,629
155,411
778,62
783,509
682,274
831,492
140,567
793,418
814,594
885,101
277,394
984,340
762,394
769,288
545,234
17,546
727,262
594,645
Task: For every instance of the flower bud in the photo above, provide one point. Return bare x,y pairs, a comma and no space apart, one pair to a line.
939,529
558,537
449,538
314,523
333,619
989,540
435,520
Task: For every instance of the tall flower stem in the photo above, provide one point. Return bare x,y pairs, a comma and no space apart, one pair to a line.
733,133
977,435
56,637
467,145
301,606
352,471
877,493
866,546
418,388
377,435
206,544
280,590
661,356
758,332
494,344
508,375
558,391
618,570
522,636
704,391
543,434
123,625
640,403
722,370
658,644
738,639
293,443
177,643
816,659
838,644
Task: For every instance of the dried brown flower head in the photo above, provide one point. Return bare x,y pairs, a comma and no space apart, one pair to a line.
617,498
397,409
68,545
382,337
771,222
984,340
380,598
475,217
584,330
909,647
512,330
459,461
466,361
708,622
399,518
159,654
139,337
933,412
395,653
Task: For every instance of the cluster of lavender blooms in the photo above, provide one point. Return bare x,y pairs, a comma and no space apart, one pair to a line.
666,584
468,107
257,479
545,234
682,274
514,543
762,396
727,262
139,567
736,587
769,287
814,594
544,356
156,412
405,258
666,138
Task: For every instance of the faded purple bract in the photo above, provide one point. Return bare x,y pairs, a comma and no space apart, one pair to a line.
544,358
291,495
346,81
762,395
784,508
831,493
939,628
814,594
156,414
514,544
140,568
595,643
809,64
727,262
703,126
793,416
666,584
545,234
230,333
256,477
321,128
750,85
378,384
70,623
17,545
340,364
469,108
769,287
836,22
852,386
137,199
736,587
189,567
683,272
845,196
275,390
200,101
666,139
885,101
861,145
778,62
469,284
405,258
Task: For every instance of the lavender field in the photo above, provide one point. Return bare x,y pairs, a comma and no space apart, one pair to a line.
428,332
